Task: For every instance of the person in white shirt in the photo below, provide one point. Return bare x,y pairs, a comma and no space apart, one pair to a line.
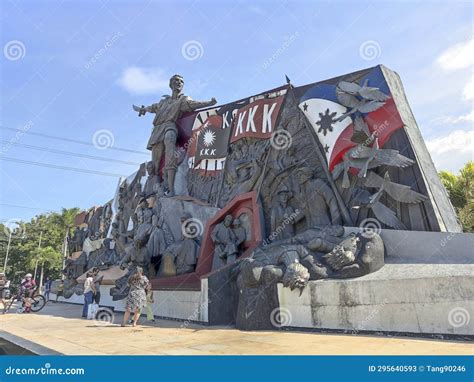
4,289
89,291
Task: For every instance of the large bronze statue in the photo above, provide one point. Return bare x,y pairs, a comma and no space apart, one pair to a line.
164,135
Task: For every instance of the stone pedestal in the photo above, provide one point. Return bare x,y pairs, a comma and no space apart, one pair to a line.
406,298
426,286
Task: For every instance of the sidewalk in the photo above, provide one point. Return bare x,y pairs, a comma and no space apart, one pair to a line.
59,328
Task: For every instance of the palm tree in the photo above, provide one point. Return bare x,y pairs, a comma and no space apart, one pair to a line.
461,192
46,256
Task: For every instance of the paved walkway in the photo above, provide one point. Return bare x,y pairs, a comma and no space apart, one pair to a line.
58,327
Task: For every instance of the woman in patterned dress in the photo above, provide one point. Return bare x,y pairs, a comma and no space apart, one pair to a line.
136,299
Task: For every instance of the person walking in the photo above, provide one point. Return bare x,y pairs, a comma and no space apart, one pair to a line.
4,289
97,282
27,289
89,290
136,299
47,287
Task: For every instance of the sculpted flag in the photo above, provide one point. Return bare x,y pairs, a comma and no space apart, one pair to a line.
209,132
331,107
222,117
212,140
257,119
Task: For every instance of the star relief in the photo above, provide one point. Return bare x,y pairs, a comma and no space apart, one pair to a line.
326,121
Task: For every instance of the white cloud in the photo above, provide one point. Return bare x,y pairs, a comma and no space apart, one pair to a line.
468,91
458,56
451,120
451,152
140,81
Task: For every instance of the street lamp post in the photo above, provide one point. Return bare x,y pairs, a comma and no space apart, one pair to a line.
8,250
39,247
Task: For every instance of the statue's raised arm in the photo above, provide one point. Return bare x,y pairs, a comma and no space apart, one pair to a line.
194,105
165,133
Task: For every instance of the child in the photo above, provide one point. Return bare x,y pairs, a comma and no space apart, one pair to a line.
149,305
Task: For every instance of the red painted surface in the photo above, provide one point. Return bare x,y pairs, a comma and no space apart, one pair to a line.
385,121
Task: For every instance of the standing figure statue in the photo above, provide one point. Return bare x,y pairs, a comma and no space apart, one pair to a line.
152,184
164,135
283,217
143,218
321,208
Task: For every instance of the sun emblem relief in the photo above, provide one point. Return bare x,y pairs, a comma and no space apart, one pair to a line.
326,121
209,138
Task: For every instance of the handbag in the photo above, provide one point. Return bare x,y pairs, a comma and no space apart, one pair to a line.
92,310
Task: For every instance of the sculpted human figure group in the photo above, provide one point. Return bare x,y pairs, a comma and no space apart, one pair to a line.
227,237
302,212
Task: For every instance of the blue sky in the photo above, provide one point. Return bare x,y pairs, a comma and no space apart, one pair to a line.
74,68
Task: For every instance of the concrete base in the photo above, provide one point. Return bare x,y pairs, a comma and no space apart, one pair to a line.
407,298
180,304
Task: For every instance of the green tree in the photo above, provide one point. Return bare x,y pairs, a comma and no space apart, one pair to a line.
461,192
26,253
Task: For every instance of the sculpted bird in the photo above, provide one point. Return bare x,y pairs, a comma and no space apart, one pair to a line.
364,91
361,133
362,99
399,192
384,214
364,158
